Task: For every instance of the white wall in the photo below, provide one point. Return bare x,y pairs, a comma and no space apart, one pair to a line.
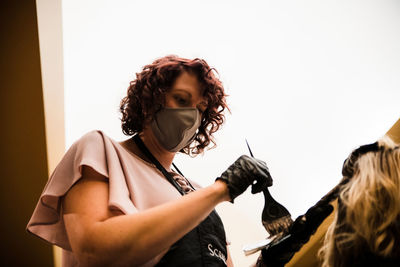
308,82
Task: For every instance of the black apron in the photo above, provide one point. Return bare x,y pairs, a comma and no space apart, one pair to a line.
205,245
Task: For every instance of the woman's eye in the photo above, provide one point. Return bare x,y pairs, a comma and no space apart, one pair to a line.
181,100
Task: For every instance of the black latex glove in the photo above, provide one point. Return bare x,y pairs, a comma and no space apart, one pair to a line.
243,173
280,253
306,225
349,164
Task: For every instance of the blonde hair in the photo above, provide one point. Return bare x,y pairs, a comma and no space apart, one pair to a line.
368,217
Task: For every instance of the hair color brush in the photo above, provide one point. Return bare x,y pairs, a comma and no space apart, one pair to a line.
276,219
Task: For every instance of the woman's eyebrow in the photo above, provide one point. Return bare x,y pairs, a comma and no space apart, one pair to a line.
182,90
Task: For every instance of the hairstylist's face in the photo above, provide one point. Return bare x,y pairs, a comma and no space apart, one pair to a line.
185,92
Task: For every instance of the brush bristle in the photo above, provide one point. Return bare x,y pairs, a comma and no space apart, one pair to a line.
281,225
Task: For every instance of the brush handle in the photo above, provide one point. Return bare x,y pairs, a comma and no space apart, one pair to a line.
275,217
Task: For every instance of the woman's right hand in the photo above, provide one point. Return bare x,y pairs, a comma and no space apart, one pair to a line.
243,173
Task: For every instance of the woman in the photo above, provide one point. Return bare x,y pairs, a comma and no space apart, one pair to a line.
122,204
366,228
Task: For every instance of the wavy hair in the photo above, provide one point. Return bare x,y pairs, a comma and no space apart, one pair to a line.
146,96
367,222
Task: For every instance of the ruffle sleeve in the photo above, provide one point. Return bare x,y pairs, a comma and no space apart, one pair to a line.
95,151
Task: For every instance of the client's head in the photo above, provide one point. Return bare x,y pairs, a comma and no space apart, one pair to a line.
367,221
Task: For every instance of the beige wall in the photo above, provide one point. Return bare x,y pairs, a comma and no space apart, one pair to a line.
22,136
49,13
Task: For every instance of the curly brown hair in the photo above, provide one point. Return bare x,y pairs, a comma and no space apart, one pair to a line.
146,96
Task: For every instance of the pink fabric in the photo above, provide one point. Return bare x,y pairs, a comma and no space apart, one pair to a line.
134,185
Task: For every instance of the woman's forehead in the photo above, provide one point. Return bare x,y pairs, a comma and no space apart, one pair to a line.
189,83
186,79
